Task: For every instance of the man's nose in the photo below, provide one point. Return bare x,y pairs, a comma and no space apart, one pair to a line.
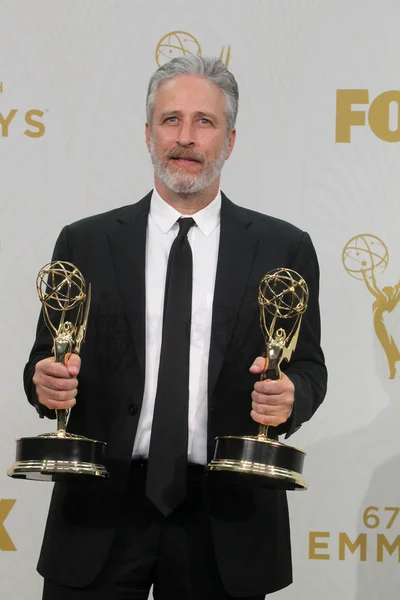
185,134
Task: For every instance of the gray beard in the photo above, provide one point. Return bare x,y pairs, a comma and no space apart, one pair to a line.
184,183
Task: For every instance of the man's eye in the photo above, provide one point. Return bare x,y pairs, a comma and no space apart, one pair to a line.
171,119
205,121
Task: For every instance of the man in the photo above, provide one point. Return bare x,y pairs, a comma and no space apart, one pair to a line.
159,375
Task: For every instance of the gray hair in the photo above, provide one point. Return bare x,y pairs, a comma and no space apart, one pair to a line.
212,69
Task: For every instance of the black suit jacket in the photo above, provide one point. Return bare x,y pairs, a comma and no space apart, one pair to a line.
250,524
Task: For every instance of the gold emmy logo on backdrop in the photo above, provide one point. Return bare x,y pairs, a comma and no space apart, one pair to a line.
375,544
364,256
9,119
383,114
181,43
6,543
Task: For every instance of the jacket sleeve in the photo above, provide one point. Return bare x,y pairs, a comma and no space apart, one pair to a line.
42,347
306,368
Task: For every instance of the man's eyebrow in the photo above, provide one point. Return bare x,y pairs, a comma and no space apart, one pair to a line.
178,113
208,115
170,113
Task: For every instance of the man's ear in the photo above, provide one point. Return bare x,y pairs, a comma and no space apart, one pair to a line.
231,144
147,134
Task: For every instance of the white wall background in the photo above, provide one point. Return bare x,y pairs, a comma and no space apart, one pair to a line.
86,64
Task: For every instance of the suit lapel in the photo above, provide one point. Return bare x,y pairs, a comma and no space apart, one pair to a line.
128,249
237,247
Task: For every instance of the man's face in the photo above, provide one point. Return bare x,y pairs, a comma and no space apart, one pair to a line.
188,138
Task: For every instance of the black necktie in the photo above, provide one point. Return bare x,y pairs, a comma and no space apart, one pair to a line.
167,463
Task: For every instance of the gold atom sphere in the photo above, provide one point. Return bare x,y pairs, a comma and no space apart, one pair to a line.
283,293
364,252
60,286
174,44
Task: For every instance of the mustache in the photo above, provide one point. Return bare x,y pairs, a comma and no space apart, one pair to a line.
185,153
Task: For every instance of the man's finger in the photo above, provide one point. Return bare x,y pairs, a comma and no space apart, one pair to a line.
58,395
51,369
270,387
279,386
58,383
74,364
272,420
258,366
273,400
58,405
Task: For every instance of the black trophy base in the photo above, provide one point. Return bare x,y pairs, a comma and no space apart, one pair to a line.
264,461
59,457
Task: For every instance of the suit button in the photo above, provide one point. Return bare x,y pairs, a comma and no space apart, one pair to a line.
132,409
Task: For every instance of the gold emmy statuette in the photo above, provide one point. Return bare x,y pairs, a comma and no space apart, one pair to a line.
61,456
283,297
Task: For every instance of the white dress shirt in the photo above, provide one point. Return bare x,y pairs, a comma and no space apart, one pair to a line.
162,228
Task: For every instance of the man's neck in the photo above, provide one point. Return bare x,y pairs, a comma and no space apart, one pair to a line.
187,204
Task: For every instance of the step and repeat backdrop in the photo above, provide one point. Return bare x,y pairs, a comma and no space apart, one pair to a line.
318,144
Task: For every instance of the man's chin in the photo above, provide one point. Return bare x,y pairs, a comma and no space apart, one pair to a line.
183,185
185,189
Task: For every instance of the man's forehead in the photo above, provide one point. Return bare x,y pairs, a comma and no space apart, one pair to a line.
193,88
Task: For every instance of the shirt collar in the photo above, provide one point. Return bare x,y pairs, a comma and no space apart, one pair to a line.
165,215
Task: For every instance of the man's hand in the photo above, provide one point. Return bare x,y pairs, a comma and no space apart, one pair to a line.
272,400
57,384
